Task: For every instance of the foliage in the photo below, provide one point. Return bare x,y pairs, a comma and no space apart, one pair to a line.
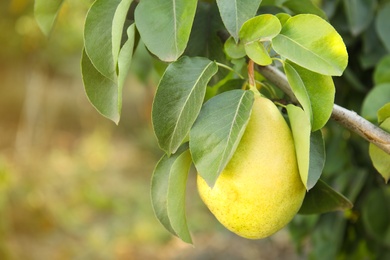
210,47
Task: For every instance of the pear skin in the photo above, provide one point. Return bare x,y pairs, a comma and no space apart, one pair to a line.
260,190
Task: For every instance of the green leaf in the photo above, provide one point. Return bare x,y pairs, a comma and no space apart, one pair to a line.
179,98
234,50
45,13
312,43
383,25
235,12
321,92
168,191
381,72
384,112
165,26
322,198
374,100
218,131
98,36
304,7
260,28
376,213
359,14
317,158
309,147
380,159
101,91
118,24
299,89
124,60
257,52
283,17
300,127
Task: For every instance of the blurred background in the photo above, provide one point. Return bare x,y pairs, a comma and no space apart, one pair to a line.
72,184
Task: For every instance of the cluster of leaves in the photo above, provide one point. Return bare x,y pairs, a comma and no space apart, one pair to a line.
200,109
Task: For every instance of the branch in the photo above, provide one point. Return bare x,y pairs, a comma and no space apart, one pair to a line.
347,118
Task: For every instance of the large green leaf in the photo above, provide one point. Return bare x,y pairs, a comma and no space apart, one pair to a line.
168,192
179,98
218,131
381,159
309,147
322,198
98,36
235,12
260,28
45,13
312,43
374,100
304,7
376,213
381,72
165,26
359,14
383,25
321,92
101,91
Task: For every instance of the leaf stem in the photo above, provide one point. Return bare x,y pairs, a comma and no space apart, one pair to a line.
229,68
347,118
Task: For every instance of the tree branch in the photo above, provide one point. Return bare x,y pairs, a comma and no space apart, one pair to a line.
347,118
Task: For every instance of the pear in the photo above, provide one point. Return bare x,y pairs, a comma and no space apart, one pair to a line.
260,189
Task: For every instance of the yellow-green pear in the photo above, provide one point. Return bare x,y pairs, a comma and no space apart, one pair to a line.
260,190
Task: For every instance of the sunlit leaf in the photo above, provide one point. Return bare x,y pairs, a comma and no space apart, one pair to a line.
168,190
257,52
383,25
375,215
101,91
45,13
260,28
98,36
235,12
218,131
312,43
381,72
179,98
322,198
374,100
359,14
283,17
304,7
380,159
309,147
299,89
321,92
384,113
300,126
165,26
